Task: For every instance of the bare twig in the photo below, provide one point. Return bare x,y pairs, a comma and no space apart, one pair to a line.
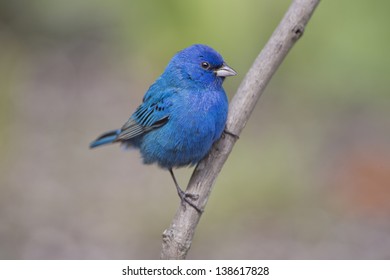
178,237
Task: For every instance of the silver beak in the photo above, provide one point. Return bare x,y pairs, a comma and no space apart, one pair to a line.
225,71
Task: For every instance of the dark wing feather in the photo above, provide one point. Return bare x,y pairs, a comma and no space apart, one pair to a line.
147,117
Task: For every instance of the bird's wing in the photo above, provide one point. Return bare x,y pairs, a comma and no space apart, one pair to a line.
148,116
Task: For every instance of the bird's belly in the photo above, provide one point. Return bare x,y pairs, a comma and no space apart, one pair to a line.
175,145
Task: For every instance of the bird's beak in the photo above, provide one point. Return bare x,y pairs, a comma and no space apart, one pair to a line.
225,71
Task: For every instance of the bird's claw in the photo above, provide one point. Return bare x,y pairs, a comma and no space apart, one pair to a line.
231,134
188,198
191,196
185,196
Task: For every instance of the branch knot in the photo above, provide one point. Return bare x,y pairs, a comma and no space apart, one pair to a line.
298,31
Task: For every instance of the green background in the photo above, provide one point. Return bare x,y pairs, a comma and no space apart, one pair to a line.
308,179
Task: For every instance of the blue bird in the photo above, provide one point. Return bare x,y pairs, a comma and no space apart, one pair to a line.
182,114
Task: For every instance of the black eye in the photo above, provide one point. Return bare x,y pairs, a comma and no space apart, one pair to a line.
205,65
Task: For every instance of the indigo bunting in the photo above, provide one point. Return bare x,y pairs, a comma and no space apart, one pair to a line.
182,114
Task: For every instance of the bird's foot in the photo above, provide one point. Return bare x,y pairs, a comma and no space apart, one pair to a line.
231,134
184,196
188,198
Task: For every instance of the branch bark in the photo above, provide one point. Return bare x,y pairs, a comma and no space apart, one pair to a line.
178,237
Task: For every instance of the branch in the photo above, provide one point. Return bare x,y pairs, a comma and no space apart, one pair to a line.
178,237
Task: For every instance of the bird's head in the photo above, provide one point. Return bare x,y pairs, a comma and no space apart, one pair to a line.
201,66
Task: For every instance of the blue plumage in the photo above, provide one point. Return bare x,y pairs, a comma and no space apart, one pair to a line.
107,138
183,113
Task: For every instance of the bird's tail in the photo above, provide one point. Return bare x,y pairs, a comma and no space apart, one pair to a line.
106,138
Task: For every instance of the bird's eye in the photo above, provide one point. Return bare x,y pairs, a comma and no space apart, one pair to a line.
205,65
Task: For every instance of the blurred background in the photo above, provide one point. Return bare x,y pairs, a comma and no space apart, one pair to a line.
308,179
